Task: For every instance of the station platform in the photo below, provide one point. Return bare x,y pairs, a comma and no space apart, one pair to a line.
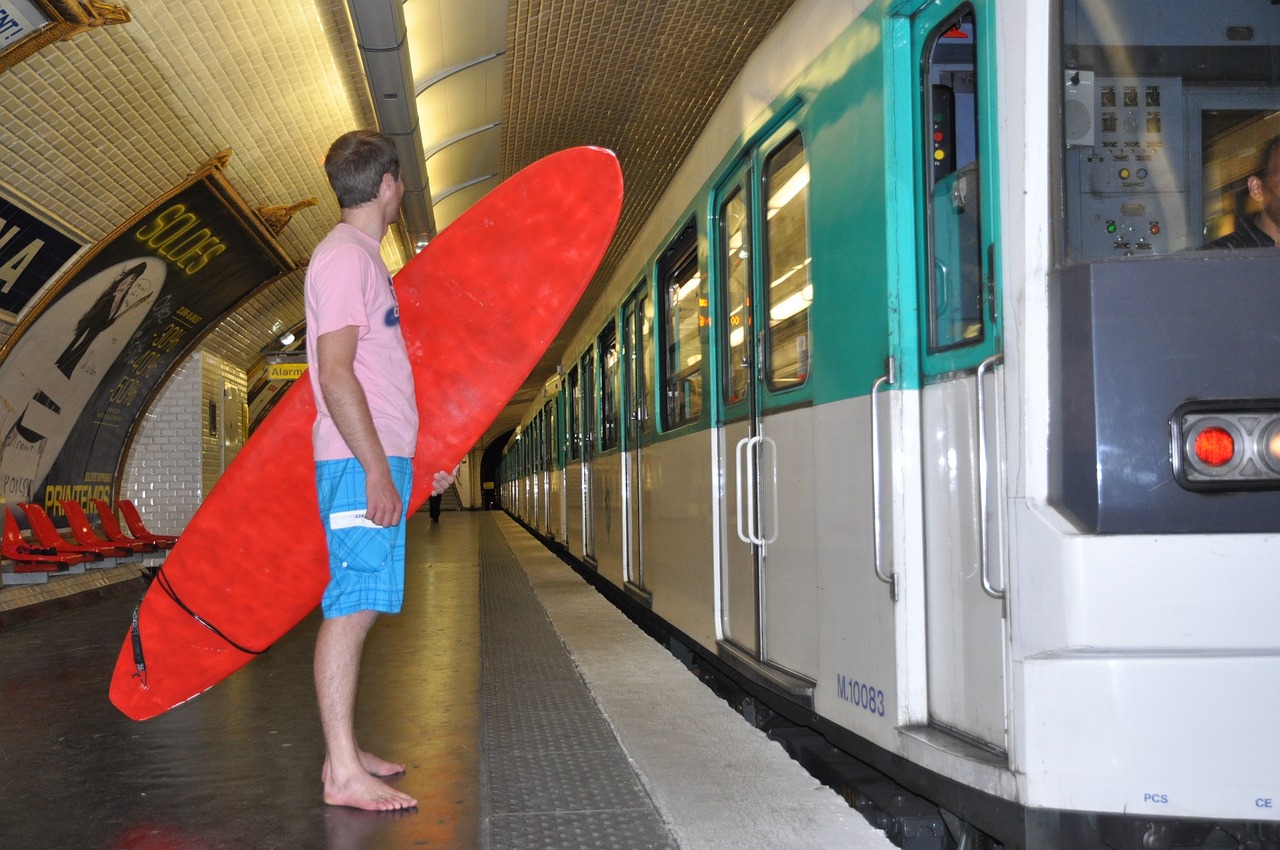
530,712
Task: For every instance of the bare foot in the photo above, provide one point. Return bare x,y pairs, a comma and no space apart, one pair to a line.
363,791
376,766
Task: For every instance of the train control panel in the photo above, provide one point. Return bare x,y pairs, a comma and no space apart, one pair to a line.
1126,162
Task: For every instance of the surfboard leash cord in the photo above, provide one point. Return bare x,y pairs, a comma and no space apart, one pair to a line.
139,661
135,633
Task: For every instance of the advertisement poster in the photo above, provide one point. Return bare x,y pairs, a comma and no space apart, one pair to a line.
75,376
31,253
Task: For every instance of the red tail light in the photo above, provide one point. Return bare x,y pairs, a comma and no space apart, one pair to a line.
1227,444
1215,446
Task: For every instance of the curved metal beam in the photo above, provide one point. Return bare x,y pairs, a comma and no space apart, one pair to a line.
420,87
435,199
382,38
475,131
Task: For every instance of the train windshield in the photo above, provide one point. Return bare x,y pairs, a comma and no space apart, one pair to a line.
1169,112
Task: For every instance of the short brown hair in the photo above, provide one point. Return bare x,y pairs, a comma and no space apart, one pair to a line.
1264,158
355,164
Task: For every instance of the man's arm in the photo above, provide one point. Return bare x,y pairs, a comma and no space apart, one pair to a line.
349,408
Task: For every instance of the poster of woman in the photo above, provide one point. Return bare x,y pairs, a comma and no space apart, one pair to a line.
52,371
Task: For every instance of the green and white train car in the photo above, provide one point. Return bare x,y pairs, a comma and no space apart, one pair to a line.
916,405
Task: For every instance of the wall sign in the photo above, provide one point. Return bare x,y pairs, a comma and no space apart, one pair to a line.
31,253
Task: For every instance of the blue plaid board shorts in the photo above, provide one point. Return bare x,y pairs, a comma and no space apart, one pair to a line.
366,562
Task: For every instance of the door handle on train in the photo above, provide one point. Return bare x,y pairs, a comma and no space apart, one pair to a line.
984,487
745,448
773,488
737,456
753,467
890,579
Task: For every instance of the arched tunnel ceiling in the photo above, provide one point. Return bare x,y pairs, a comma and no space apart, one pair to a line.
96,127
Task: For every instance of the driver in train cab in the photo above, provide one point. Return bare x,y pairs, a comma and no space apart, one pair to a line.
1261,230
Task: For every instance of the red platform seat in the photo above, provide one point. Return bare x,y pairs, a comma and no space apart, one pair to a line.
47,535
111,528
28,558
134,520
84,534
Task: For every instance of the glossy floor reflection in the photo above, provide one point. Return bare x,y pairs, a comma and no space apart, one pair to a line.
472,686
239,766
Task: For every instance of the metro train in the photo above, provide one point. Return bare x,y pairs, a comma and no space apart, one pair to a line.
917,406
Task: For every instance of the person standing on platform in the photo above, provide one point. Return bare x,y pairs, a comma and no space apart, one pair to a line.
364,436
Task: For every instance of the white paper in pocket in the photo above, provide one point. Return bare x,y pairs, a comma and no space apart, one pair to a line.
351,519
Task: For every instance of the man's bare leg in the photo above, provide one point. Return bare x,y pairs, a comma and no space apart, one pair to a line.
347,782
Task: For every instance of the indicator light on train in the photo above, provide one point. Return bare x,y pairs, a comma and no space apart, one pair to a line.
1215,446
1271,446
1227,444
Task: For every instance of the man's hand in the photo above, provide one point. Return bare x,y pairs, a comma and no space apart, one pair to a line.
384,505
443,480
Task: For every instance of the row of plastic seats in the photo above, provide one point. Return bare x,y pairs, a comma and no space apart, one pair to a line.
52,552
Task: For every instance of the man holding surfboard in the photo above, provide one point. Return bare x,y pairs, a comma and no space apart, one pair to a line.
364,436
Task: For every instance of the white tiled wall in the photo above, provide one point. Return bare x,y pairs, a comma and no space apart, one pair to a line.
174,459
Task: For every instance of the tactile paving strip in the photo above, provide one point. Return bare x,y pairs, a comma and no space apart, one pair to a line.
553,772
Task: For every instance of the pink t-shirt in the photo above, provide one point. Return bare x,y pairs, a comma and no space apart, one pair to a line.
348,284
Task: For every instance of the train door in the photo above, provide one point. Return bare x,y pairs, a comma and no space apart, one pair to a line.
960,345
588,414
766,561
537,469
550,471
573,462
637,320
561,455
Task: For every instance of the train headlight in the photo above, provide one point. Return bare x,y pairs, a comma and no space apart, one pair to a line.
1226,445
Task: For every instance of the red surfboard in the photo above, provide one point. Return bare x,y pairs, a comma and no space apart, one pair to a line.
478,307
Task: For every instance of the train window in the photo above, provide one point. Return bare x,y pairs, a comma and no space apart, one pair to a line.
789,293
552,449
607,345
646,374
1167,119
680,285
637,317
955,272
1240,152
735,260
588,364
536,441
574,424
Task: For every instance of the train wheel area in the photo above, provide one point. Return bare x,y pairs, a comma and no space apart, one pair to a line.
931,814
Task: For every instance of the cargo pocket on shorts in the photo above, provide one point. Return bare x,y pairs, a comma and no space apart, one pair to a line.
360,548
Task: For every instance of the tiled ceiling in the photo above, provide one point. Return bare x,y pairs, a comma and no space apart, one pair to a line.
96,127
